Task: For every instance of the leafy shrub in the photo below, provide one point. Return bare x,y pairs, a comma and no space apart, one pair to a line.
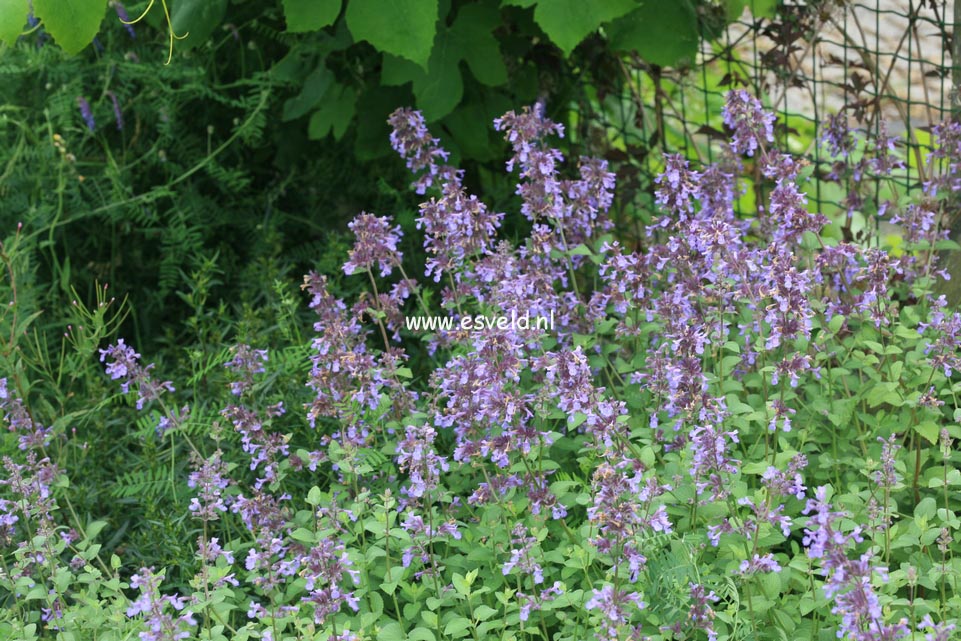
742,429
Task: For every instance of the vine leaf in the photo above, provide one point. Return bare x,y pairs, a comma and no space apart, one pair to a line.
662,33
314,89
567,22
474,30
196,20
310,15
439,90
13,17
72,23
404,28
334,114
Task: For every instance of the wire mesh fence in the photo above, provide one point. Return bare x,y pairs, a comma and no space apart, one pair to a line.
884,65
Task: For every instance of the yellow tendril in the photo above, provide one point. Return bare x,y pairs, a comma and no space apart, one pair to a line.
170,27
170,31
141,16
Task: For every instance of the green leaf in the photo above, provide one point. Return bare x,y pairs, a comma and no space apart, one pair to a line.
396,71
303,535
484,612
663,33
196,19
886,392
925,509
439,91
405,28
929,430
310,15
391,632
474,32
460,584
457,627
315,86
421,634
13,18
762,8
314,496
72,23
567,22
733,9
334,114
94,529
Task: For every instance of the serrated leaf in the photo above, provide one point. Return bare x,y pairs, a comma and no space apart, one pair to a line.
72,23
456,627
929,430
310,15
334,114
568,22
405,28
663,33
460,584
391,632
885,392
439,91
314,496
303,535
13,19
474,31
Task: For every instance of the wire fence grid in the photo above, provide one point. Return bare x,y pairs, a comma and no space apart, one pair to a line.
894,64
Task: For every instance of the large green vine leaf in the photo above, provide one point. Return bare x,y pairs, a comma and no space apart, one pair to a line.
13,17
72,23
568,22
335,113
663,33
439,90
196,20
474,32
310,15
404,28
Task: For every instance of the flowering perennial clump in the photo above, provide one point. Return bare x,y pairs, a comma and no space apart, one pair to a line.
741,424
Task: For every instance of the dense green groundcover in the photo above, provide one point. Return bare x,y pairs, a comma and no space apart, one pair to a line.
742,429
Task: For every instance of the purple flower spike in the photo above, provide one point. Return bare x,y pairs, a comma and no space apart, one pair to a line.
751,124
376,243
117,112
124,18
86,113
125,367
